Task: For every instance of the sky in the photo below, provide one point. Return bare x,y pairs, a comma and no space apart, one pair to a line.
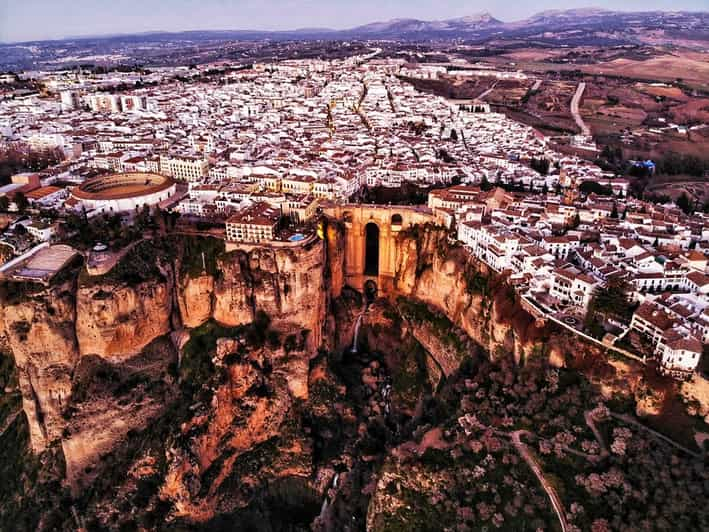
23,20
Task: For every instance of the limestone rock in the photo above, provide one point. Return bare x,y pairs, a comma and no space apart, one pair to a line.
117,322
195,299
40,332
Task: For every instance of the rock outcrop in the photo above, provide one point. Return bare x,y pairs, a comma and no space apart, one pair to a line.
285,283
478,302
116,318
109,401
116,322
251,412
473,298
39,328
196,299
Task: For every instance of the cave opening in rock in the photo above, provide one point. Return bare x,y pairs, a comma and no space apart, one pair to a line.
371,249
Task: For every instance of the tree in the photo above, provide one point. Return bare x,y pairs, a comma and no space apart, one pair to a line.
21,201
675,164
587,187
485,184
576,221
540,165
611,301
17,158
684,203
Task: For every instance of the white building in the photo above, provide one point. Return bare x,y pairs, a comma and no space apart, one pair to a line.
573,288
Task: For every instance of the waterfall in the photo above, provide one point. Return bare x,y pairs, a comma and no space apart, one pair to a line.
356,333
326,501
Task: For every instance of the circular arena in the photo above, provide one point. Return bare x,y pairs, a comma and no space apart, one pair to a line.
123,192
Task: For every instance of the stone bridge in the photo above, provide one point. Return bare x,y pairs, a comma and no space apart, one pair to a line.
370,241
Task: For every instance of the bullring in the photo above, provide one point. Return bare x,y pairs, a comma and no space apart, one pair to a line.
124,192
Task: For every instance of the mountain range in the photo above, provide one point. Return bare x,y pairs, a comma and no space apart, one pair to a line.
567,28
476,25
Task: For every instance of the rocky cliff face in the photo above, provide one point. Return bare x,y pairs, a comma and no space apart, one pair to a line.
117,322
473,299
111,400
448,298
39,328
68,338
196,299
253,406
466,300
287,284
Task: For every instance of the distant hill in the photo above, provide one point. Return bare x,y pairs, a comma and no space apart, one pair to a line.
476,24
569,28
408,26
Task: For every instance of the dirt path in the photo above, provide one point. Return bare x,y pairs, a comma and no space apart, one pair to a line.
523,451
596,433
488,91
636,423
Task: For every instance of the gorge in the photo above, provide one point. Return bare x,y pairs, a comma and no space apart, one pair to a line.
198,386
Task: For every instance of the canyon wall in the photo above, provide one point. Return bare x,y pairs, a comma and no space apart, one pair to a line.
116,322
76,340
253,407
217,360
116,319
95,353
288,284
471,296
39,328
430,269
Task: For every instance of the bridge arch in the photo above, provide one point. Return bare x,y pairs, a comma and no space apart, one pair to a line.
371,249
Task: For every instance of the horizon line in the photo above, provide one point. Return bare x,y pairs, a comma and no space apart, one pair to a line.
326,29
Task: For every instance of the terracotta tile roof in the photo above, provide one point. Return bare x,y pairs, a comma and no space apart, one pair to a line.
656,316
